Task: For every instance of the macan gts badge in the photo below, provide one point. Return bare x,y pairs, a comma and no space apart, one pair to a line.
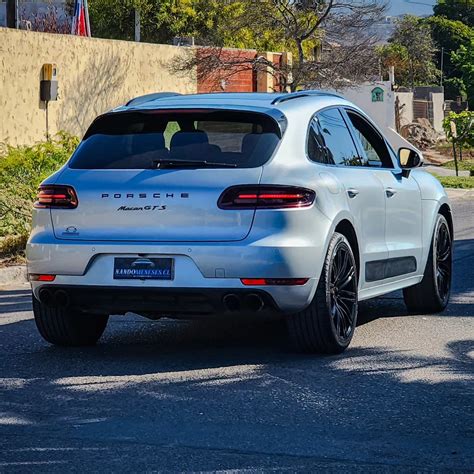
149,207
289,206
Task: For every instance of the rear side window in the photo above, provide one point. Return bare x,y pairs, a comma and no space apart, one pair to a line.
374,146
329,140
138,140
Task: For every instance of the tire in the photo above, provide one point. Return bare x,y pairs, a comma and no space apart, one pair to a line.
327,325
63,327
431,295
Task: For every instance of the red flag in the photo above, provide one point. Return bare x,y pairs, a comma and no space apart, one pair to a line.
80,21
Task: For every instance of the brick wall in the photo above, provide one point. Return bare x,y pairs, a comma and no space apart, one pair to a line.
240,78
236,79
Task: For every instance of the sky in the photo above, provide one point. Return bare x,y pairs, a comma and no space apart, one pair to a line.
414,7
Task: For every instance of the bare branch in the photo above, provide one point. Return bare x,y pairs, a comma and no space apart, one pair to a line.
343,27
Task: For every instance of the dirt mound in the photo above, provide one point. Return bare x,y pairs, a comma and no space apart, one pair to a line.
420,134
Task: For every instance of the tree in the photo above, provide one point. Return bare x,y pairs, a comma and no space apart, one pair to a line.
460,10
331,41
396,55
161,20
463,59
449,36
459,128
418,67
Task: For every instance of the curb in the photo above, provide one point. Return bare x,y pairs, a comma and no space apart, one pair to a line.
13,275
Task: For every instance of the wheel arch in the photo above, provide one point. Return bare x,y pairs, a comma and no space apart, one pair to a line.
346,228
445,211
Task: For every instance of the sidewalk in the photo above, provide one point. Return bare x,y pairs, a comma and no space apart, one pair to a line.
440,171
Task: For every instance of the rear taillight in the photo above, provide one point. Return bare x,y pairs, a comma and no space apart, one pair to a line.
265,197
274,281
41,277
56,196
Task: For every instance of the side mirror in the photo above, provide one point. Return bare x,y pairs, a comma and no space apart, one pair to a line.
408,159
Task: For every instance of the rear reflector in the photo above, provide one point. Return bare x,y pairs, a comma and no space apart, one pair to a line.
265,197
36,277
56,196
273,281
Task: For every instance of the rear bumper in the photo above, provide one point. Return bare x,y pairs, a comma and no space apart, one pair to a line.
158,302
207,267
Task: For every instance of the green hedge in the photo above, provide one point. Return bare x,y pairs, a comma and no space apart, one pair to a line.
460,182
21,171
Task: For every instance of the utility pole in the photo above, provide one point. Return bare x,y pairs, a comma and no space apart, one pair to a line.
442,66
137,25
12,14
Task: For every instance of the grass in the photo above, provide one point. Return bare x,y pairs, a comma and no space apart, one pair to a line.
467,165
458,182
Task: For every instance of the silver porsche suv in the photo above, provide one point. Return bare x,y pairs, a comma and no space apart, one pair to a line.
291,206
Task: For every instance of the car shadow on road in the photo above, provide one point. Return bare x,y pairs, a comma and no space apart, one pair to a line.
233,388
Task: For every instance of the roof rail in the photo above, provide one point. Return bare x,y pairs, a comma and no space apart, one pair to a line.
148,97
298,94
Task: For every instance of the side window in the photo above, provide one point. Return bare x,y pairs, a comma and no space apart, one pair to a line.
316,148
330,141
375,149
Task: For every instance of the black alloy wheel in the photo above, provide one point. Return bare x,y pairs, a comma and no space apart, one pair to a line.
342,292
443,261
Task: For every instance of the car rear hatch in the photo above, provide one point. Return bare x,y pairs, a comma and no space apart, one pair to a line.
158,175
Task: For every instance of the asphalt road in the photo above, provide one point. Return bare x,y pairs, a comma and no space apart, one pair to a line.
224,396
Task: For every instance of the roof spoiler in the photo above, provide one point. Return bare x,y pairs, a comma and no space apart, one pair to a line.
298,94
149,97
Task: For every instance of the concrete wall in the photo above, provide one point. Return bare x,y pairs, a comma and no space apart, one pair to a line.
406,104
94,76
438,111
382,113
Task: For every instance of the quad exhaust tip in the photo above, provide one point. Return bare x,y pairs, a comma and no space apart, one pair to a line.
46,296
251,302
59,298
254,302
232,302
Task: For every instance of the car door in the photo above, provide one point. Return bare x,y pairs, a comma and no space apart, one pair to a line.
402,196
330,143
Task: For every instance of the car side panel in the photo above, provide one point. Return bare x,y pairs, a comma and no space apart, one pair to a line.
433,196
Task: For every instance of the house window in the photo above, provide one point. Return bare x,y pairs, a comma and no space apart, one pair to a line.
377,94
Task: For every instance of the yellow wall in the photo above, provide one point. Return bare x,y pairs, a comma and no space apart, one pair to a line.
94,76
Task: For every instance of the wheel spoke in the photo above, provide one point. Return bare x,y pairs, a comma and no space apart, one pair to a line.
444,256
342,320
347,295
347,310
342,259
345,263
336,317
347,280
347,316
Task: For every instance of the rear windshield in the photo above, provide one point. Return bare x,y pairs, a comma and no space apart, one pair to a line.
139,140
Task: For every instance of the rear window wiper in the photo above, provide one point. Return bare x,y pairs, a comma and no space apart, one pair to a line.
166,164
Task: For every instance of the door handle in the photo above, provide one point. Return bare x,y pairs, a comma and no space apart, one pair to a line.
390,192
352,193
